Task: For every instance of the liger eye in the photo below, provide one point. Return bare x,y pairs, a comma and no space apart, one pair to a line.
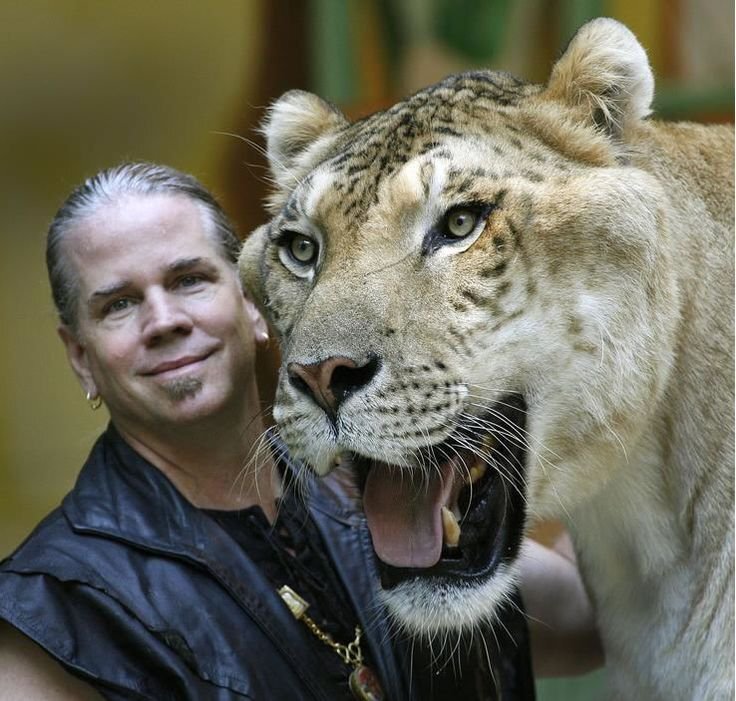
303,249
458,227
460,222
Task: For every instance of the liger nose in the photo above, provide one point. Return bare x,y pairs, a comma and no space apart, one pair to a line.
331,381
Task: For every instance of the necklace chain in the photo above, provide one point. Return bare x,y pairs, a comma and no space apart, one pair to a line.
351,654
363,683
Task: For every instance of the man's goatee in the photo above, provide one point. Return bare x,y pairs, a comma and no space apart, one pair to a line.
183,388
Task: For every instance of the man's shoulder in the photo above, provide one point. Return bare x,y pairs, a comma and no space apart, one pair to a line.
57,567
50,537
87,600
28,672
45,573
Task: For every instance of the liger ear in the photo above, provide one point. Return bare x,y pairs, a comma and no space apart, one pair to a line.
251,265
605,72
298,127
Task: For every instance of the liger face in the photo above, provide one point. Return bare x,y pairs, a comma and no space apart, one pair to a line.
464,285
164,331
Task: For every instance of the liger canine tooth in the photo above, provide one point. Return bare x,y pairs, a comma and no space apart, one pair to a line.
450,528
477,471
489,443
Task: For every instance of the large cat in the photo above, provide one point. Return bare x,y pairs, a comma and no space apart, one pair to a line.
508,301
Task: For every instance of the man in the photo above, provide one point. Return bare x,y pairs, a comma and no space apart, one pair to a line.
157,577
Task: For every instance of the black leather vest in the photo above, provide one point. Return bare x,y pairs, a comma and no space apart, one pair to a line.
144,596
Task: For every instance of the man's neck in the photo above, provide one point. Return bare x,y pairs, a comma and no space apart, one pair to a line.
223,468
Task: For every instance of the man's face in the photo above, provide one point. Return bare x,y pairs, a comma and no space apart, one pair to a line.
164,332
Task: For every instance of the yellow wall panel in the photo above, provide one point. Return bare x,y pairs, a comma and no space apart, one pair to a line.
84,85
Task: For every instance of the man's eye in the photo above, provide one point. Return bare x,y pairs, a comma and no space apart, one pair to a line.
190,280
117,306
302,249
460,222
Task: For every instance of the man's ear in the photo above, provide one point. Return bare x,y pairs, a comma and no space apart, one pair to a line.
251,265
76,352
257,322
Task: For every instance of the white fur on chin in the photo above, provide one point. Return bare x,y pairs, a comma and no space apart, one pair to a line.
426,608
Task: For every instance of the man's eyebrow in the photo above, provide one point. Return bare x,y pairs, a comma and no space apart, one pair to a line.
176,267
187,263
109,291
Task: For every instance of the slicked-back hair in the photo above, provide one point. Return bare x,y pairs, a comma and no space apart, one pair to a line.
107,187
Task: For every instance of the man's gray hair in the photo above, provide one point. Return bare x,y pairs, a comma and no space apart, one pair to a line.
106,187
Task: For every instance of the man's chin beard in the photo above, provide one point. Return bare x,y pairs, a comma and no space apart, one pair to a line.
182,388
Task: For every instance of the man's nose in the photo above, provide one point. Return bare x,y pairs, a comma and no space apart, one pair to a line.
164,314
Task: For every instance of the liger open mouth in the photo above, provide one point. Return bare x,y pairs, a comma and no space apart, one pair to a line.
461,512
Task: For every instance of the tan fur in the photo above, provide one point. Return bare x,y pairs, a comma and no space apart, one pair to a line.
601,288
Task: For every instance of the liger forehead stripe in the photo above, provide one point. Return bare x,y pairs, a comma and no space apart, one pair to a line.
322,181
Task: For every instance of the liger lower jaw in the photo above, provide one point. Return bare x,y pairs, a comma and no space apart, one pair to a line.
472,488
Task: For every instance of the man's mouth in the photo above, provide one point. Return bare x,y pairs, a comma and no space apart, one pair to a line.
460,512
177,365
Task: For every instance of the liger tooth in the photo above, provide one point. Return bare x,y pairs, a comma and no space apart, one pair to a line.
450,528
477,471
489,442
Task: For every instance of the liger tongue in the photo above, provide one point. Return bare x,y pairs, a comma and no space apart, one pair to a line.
403,513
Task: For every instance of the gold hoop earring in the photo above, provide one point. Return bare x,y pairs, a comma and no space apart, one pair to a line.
95,402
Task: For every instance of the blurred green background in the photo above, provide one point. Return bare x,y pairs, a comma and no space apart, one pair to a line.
85,84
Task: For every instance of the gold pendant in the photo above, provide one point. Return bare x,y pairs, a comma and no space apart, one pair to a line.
365,685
